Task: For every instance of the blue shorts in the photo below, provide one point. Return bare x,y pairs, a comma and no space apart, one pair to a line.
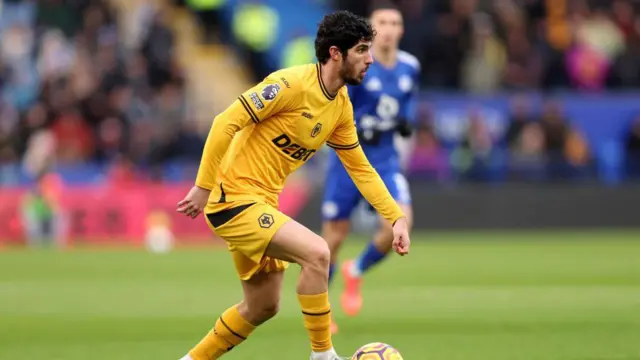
341,196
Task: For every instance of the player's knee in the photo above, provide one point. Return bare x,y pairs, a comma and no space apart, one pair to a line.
268,310
318,256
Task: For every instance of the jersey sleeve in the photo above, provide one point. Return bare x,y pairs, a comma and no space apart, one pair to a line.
255,105
273,95
344,141
410,110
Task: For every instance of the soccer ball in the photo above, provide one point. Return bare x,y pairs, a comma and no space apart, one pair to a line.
377,351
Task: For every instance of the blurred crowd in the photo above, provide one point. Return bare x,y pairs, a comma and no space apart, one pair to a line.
78,87
80,84
540,146
487,45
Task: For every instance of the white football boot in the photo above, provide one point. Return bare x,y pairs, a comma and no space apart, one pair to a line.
327,355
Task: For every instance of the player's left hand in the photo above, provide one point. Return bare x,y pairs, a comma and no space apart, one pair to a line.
195,201
403,127
401,241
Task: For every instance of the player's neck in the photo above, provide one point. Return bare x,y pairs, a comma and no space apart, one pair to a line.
386,57
331,78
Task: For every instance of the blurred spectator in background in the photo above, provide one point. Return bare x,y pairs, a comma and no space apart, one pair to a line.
484,64
525,141
520,118
474,153
78,79
632,147
255,26
565,147
428,159
42,214
209,16
78,91
299,50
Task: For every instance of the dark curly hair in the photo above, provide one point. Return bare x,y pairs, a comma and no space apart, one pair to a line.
343,30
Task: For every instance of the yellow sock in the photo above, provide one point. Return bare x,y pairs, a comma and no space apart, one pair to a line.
317,320
230,330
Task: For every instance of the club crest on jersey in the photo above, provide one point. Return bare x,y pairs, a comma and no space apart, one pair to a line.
270,91
255,99
316,130
265,221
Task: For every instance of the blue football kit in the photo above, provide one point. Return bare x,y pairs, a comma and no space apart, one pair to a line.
384,105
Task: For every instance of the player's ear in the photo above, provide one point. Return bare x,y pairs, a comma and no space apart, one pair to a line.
335,53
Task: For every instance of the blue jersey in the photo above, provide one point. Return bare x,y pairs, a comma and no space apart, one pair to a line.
385,96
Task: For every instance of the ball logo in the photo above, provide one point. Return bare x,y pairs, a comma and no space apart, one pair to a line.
265,221
316,130
269,92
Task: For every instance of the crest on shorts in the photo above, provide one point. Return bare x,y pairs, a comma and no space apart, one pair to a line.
316,130
265,221
270,91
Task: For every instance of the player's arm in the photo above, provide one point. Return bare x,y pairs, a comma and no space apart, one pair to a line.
344,141
251,108
407,120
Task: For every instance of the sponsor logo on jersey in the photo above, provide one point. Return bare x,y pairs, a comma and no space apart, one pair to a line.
270,91
293,150
286,83
255,99
307,115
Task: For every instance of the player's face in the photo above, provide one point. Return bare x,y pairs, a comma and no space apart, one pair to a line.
356,63
389,27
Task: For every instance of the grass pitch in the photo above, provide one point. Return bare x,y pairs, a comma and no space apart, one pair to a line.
471,296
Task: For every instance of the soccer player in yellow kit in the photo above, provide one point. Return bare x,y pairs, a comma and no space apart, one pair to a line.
266,134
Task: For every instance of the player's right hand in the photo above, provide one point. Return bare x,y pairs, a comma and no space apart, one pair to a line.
401,241
195,201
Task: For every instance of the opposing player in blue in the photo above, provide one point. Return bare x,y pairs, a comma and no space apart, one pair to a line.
384,105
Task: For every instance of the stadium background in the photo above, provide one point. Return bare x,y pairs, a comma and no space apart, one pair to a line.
524,172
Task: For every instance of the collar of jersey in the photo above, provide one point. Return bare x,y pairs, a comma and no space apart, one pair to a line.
325,92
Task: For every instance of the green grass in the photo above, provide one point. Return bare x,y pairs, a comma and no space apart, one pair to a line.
466,296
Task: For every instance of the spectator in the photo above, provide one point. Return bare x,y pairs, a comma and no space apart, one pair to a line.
520,118
485,62
565,146
632,147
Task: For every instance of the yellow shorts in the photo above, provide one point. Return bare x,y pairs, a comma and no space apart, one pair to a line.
247,228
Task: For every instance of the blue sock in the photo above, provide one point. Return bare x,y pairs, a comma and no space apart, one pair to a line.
332,269
369,257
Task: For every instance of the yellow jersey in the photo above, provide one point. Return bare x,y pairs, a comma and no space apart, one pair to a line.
274,128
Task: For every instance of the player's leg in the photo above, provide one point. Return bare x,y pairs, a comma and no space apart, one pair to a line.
340,198
260,303
247,229
377,249
335,232
295,243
